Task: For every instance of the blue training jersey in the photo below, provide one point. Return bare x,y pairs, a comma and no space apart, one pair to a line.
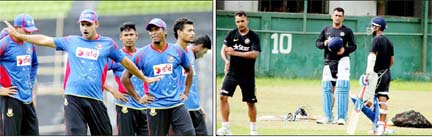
87,64
18,67
137,83
169,63
193,101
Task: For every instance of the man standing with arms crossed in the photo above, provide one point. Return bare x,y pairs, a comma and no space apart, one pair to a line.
243,47
165,97
18,68
336,67
131,115
86,70
184,32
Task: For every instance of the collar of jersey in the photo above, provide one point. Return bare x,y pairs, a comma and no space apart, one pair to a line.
127,52
157,50
97,37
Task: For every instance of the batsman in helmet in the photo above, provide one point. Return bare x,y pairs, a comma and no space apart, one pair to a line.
380,59
337,41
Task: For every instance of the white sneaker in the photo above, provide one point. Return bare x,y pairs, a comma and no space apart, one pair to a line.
223,132
324,121
253,133
380,129
389,131
335,121
341,121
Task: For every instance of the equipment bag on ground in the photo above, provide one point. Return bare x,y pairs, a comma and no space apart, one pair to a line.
411,119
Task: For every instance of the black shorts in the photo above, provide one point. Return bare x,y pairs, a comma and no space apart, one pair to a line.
383,84
198,122
333,65
17,118
131,122
247,86
160,120
80,112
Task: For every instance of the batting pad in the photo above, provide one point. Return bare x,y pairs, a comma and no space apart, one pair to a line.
344,69
327,74
327,99
342,92
371,85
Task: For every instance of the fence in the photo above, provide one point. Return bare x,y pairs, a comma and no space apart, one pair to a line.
288,44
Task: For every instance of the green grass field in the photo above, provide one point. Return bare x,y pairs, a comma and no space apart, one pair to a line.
152,7
277,97
38,9
52,9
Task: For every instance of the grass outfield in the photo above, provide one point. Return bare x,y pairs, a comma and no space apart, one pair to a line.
52,9
280,96
37,9
152,7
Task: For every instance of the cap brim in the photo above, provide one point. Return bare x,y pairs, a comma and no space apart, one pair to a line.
31,29
148,27
87,20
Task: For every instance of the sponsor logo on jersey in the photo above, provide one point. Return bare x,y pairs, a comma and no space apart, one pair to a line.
23,60
162,69
342,34
87,53
241,47
235,40
247,41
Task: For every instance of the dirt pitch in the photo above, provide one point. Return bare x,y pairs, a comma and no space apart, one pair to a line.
277,97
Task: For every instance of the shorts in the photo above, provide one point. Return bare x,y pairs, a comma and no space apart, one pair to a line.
80,112
131,122
160,120
383,84
247,86
18,119
333,65
198,122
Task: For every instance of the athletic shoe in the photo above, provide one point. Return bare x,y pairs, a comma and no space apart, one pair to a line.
341,121
389,131
253,133
380,129
324,121
223,132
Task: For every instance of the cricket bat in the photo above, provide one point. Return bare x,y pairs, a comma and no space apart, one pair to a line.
355,115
